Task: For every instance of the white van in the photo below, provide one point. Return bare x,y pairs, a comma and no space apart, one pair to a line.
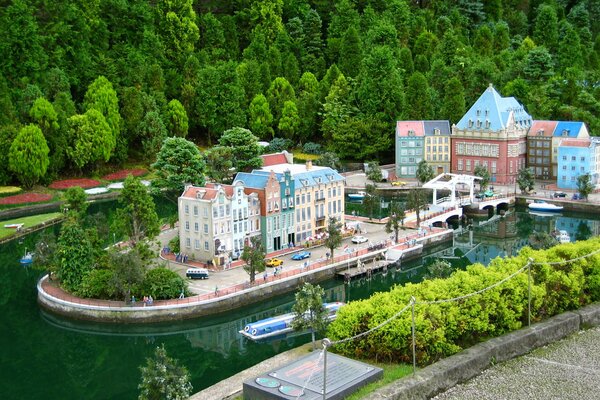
196,273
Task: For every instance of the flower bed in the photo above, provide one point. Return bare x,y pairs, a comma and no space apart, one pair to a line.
122,174
9,190
25,198
67,183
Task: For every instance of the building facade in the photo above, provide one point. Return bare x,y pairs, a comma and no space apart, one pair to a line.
540,149
410,140
437,145
565,130
577,157
493,133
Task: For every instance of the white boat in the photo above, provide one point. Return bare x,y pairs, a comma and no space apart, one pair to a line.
14,226
562,236
282,324
26,259
540,205
357,196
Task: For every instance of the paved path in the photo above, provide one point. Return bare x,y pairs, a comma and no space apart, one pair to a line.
568,369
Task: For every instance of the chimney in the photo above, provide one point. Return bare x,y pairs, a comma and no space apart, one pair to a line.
308,164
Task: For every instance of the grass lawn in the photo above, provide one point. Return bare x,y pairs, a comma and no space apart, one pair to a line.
391,373
27,222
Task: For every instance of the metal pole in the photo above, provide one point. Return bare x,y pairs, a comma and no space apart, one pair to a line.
326,343
414,351
529,292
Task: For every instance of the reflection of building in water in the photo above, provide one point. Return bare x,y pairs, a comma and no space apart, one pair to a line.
223,336
578,229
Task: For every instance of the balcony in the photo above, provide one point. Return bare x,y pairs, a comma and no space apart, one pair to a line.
319,199
320,218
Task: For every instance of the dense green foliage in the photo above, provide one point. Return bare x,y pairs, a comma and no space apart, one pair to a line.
309,311
136,215
445,328
346,68
164,378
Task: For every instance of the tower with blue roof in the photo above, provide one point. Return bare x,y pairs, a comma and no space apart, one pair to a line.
492,133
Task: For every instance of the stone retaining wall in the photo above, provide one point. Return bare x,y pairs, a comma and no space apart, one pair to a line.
465,365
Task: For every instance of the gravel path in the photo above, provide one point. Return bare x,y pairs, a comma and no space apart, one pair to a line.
568,369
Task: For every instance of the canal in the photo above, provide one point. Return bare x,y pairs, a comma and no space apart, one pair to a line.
44,356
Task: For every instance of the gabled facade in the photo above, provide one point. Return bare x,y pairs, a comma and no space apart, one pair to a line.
410,140
493,133
577,157
437,145
565,130
540,149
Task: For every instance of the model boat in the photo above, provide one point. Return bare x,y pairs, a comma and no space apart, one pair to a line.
26,259
357,196
540,205
282,324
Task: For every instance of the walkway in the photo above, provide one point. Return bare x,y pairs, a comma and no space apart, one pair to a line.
568,369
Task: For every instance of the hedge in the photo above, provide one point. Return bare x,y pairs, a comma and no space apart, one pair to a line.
444,329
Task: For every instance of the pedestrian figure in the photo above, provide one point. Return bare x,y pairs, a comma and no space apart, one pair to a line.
145,300
265,276
216,291
132,299
150,300
181,295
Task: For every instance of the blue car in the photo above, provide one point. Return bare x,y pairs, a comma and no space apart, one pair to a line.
301,255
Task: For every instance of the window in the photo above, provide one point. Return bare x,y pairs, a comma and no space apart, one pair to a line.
195,210
564,158
564,167
573,158
573,168
582,158
205,228
205,212
188,242
468,165
460,164
493,167
197,244
206,245
187,225
582,169
196,227
187,209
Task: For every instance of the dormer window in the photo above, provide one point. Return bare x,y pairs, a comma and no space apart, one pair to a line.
565,132
487,124
436,132
470,123
479,123
478,113
411,132
487,112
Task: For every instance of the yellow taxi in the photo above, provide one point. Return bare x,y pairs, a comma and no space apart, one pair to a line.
398,183
274,262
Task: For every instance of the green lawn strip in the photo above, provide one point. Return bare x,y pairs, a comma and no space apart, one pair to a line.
391,373
27,222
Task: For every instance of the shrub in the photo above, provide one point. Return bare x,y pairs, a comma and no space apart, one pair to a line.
162,283
443,329
278,145
312,148
174,244
97,285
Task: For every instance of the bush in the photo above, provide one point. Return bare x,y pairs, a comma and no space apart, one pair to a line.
162,283
277,145
97,285
312,148
174,244
443,329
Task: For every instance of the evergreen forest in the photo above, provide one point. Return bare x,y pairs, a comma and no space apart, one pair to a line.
86,83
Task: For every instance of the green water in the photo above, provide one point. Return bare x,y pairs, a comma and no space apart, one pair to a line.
46,357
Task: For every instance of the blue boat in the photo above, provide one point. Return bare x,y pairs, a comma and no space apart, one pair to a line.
357,196
27,259
282,324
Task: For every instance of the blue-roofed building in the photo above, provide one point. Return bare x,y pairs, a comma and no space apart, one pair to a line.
577,157
492,133
565,130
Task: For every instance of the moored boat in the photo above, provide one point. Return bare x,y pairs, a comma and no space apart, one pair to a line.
282,324
26,259
540,205
357,196
562,236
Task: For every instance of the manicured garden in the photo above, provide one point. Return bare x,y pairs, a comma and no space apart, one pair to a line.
445,328
27,222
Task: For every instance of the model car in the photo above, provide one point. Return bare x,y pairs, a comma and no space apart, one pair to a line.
560,194
359,239
301,255
398,183
274,262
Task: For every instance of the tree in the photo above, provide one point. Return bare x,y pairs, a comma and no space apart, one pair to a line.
102,97
416,201
279,92
337,107
313,60
308,106
371,199
164,378
545,32
177,122
374,171
254,257
351,53
128,271
177,28
178,162
525,180
136,217
245,147
152,131
89,139
424,172
453,107
584,185
334,235
482,172
261,119
74,255
28,155
289,121
45,117
438,269
75,201
418,100
45,252
219,163
395,220
309,311
330,160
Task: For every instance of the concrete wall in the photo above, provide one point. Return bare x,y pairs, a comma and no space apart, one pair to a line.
465,365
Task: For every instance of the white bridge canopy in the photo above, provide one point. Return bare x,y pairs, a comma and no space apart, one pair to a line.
448,181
